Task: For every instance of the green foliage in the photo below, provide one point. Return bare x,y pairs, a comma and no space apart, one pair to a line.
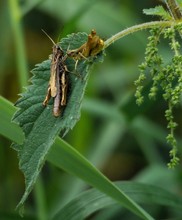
167,77
38,123
159,11
8,109
113,133
73,162
84,204
65,157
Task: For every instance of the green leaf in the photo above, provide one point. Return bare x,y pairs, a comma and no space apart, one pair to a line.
159,11
38,123
92,200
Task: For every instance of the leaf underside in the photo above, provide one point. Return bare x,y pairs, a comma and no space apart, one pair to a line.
38,123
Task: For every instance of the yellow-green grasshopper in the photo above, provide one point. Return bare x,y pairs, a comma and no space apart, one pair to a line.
91,48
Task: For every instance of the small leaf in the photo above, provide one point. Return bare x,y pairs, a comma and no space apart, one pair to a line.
38,123
159,11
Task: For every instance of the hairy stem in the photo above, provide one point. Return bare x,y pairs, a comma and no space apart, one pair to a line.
136,28
174,9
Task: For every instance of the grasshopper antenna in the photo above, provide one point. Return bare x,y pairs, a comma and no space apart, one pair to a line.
49,37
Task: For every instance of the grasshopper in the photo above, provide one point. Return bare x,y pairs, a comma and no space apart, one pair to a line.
92,47
58,83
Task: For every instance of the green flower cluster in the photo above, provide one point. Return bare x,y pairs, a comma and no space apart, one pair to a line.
166,77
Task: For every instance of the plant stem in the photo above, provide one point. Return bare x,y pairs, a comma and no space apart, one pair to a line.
136,28
19,42
174,9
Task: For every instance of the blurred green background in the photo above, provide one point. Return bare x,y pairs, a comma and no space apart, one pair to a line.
125,141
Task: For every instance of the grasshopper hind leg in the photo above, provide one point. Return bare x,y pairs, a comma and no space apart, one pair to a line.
48,96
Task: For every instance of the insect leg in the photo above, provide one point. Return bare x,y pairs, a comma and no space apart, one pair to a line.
48,96
56,104
64,88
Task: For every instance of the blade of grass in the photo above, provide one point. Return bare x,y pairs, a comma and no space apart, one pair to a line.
15,16
65,157
40,199
8,129
85,203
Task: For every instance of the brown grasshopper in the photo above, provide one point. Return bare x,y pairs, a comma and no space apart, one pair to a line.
58,83
92,47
